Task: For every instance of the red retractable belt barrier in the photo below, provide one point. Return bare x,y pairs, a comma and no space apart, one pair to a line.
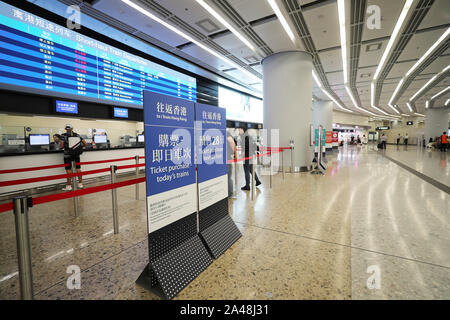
6,207
248,158
82,192
64,165
54,177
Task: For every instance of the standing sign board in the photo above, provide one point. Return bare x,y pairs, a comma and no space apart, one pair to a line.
176,252
216,228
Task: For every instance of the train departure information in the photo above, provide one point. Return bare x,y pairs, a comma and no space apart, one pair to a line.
39,56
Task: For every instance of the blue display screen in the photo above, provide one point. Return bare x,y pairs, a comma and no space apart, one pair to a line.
120,113
66,107
39,56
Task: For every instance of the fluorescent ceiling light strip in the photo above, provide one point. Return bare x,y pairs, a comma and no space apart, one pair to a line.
405,115
334,100
427,104
316,79
440,93
419,114
283,21
409,107
354,101
182,34
396,91
379,110
341,13
226,24
432,48
393,37
429,82
392,107
423,88
447,102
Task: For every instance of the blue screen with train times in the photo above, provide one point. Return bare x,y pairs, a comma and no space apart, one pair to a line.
39,56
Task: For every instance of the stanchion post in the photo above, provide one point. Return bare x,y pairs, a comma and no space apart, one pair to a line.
137,176
270,169
292,159
252,190
282,161
23,247
114,200
75,187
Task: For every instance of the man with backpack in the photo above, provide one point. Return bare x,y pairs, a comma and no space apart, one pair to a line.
73,147
249,146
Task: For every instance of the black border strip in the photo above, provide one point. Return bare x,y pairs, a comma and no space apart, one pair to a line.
432,181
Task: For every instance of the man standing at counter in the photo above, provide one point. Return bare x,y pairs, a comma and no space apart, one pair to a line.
73,147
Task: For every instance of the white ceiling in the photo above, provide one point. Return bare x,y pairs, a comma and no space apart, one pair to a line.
321,17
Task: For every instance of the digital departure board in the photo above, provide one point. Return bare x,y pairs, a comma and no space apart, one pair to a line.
39,56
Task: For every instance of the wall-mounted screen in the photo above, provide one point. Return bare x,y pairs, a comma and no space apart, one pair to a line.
100,139
39,139
409,123
120,112
241,107
39,56
66,107
141,138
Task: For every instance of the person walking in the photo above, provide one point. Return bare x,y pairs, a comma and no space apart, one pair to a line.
406,139
383,141
444,142
250,149
398,139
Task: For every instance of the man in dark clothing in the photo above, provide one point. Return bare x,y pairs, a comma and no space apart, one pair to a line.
73,147
250,148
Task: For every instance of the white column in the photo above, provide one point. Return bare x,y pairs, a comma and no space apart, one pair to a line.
287,102
323,115
436,122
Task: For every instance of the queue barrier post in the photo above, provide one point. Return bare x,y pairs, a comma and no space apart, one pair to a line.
20,205
292,159
235,178
75,187
270,169
137,176
114,200
282,161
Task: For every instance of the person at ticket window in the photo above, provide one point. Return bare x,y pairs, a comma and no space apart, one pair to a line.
73,147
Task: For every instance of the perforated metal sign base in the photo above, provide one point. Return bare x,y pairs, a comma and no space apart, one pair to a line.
220,236
172,272
177,256
217,229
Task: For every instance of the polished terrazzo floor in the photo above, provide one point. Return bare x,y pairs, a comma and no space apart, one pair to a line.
309,237
432,163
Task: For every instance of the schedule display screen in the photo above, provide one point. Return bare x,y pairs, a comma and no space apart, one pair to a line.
41,57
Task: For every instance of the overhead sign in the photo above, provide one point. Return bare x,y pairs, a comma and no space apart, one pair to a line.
409,123
169,149
382,128
120,112
66,107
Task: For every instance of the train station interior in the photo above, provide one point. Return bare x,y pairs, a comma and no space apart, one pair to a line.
225,150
